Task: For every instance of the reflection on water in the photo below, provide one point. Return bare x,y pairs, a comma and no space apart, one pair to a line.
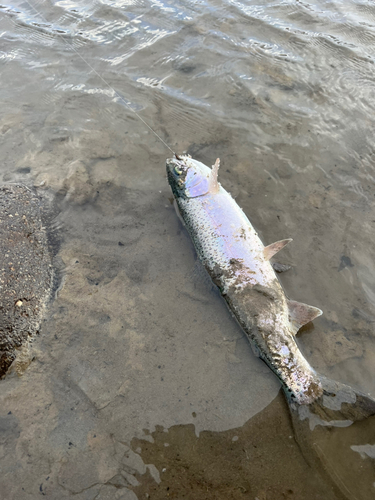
283,92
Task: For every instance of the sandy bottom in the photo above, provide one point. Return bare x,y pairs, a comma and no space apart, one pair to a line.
139,366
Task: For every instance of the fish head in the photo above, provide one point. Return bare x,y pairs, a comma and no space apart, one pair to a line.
188,178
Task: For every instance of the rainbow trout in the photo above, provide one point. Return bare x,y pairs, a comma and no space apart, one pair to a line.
239,264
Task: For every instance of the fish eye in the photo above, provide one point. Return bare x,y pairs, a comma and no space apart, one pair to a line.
177,170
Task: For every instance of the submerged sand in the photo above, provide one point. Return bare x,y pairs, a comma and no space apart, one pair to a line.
137,341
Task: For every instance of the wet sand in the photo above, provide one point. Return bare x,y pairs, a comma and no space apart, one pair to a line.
232,464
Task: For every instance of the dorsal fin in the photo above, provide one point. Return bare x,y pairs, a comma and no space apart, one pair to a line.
300,314
272,249
214,183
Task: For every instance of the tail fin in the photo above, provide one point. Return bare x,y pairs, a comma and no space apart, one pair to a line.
339,405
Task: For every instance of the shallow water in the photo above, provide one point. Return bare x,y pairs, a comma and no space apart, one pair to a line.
137,342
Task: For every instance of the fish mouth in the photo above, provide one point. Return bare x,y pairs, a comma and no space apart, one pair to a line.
177,160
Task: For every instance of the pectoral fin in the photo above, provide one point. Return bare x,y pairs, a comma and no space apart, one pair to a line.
213,182
178,212
300,314
272,249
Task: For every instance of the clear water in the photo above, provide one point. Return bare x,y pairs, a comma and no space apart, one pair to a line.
142,385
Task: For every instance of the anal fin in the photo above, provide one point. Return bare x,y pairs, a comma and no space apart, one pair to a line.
300,314
272,249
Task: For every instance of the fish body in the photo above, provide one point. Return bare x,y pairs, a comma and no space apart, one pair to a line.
238,263
235,257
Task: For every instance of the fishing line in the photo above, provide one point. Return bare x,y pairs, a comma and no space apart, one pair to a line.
104,81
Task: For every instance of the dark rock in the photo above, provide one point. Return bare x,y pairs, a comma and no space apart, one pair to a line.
280,268
25,270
